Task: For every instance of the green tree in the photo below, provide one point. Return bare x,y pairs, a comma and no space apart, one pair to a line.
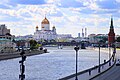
118,39
33,44
52,40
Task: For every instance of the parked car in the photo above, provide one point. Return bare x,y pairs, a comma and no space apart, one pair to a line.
118,63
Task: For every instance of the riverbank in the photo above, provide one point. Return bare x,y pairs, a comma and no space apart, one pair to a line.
105,50
6,56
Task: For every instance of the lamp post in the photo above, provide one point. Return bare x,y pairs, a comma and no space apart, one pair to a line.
22,66
76,49
109,56
99,59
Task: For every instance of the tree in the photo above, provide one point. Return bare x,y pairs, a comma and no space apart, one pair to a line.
73,41
118,39
33,44
105,39
52,40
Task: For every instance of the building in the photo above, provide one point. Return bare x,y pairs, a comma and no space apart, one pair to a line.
45,33
26,37
5,33
63,37
6,39
96,38
92,38
111,34
4,30
6,45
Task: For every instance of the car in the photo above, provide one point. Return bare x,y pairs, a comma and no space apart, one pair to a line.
118,63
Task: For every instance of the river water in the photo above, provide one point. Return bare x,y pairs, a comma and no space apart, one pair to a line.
56,64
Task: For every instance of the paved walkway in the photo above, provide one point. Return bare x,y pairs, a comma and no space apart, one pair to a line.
112,74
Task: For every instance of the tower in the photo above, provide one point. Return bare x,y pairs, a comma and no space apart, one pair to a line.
85,32
111,34
78,35
82,33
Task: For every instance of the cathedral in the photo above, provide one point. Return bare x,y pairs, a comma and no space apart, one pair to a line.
45,33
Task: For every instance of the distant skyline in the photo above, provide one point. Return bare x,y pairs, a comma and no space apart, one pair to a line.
69,16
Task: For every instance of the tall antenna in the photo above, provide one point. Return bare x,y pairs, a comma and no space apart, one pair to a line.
82,33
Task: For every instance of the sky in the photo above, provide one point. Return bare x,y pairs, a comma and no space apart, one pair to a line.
68,16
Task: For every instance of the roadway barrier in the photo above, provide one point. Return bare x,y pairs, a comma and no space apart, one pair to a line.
91,73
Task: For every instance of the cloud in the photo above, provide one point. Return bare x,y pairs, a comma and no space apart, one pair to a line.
7,4
87,11
28,2
70,3
108,4
53,10
58,13
69,16
4,6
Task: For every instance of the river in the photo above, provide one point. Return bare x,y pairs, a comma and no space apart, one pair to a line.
56,64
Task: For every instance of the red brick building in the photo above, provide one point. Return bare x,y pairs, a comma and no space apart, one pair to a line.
111,34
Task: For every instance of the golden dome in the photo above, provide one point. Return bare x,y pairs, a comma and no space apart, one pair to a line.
36,26
45,21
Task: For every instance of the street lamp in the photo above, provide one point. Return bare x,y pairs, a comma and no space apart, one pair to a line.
99,59
22,66
76,49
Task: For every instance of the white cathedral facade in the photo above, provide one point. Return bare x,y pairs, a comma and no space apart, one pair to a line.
45,33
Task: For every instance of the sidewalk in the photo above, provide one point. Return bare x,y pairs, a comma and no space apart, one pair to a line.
113,73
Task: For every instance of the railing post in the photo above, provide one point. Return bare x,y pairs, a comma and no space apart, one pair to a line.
114,51
99,59
89,72
109,56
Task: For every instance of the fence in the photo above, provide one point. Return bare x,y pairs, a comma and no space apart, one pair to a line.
89,74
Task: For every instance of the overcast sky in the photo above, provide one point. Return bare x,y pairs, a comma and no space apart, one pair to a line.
69,16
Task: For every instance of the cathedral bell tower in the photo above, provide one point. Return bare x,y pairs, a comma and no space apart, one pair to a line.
111,34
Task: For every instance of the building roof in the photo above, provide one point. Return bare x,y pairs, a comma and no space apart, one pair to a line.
36,26
45,21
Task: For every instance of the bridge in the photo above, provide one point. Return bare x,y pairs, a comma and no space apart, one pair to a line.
83,43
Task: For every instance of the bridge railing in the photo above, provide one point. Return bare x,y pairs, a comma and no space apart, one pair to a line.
90,73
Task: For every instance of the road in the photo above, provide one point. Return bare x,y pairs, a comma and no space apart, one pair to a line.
113,73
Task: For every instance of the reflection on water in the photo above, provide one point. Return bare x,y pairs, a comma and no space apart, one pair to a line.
56,64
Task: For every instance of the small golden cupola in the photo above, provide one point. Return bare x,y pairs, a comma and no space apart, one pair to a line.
45,21
36,28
